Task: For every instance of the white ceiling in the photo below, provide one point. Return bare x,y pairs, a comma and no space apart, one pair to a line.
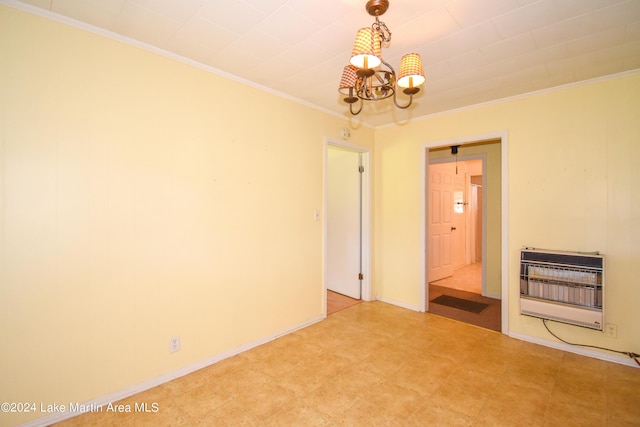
474,51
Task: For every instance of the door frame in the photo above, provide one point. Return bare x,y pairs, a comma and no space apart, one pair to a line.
463,158
365,153
503,137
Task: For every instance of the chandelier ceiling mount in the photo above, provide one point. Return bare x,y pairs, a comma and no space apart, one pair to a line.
377,7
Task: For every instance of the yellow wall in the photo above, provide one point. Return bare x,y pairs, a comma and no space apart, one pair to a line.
574,184
143,198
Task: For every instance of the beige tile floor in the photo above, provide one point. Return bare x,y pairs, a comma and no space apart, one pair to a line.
375,364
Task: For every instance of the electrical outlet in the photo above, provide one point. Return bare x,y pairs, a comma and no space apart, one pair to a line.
611,330
174,344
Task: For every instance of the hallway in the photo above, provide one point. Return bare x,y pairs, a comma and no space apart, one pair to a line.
466,278
466,284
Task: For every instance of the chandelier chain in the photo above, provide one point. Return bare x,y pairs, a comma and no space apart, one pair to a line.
382,29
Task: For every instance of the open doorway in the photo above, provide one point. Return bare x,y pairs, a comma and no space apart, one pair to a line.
457,237
346,226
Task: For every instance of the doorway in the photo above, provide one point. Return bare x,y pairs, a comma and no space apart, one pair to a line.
346,225
456,221
468,242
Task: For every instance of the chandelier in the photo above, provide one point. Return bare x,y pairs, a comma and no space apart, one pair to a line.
368,77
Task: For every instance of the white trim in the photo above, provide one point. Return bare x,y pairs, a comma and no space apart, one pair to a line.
367,290
44,13
484,229
400,304
132,42
424,279
503,136
492,295
517,97
609,357
504,161
169,376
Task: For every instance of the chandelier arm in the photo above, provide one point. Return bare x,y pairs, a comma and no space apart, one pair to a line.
389,66
359,109
403,107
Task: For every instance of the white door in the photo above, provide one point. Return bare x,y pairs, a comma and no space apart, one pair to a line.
460,214
343,222
440,221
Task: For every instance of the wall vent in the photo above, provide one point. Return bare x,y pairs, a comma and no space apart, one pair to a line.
563,286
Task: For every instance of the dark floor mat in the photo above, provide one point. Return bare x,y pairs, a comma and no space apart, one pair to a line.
460,304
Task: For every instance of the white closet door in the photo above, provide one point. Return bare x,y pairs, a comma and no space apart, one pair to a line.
343,222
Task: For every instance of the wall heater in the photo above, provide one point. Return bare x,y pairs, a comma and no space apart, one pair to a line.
562,286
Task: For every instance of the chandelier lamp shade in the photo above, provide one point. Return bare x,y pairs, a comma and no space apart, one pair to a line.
348,83
411,73
368,77
366,51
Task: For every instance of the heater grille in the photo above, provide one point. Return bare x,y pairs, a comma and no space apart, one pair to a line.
562,286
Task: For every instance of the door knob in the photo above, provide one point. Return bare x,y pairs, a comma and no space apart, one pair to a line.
453,229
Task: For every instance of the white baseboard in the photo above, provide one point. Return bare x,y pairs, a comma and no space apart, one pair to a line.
494,296
609,357
169,376
399,304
